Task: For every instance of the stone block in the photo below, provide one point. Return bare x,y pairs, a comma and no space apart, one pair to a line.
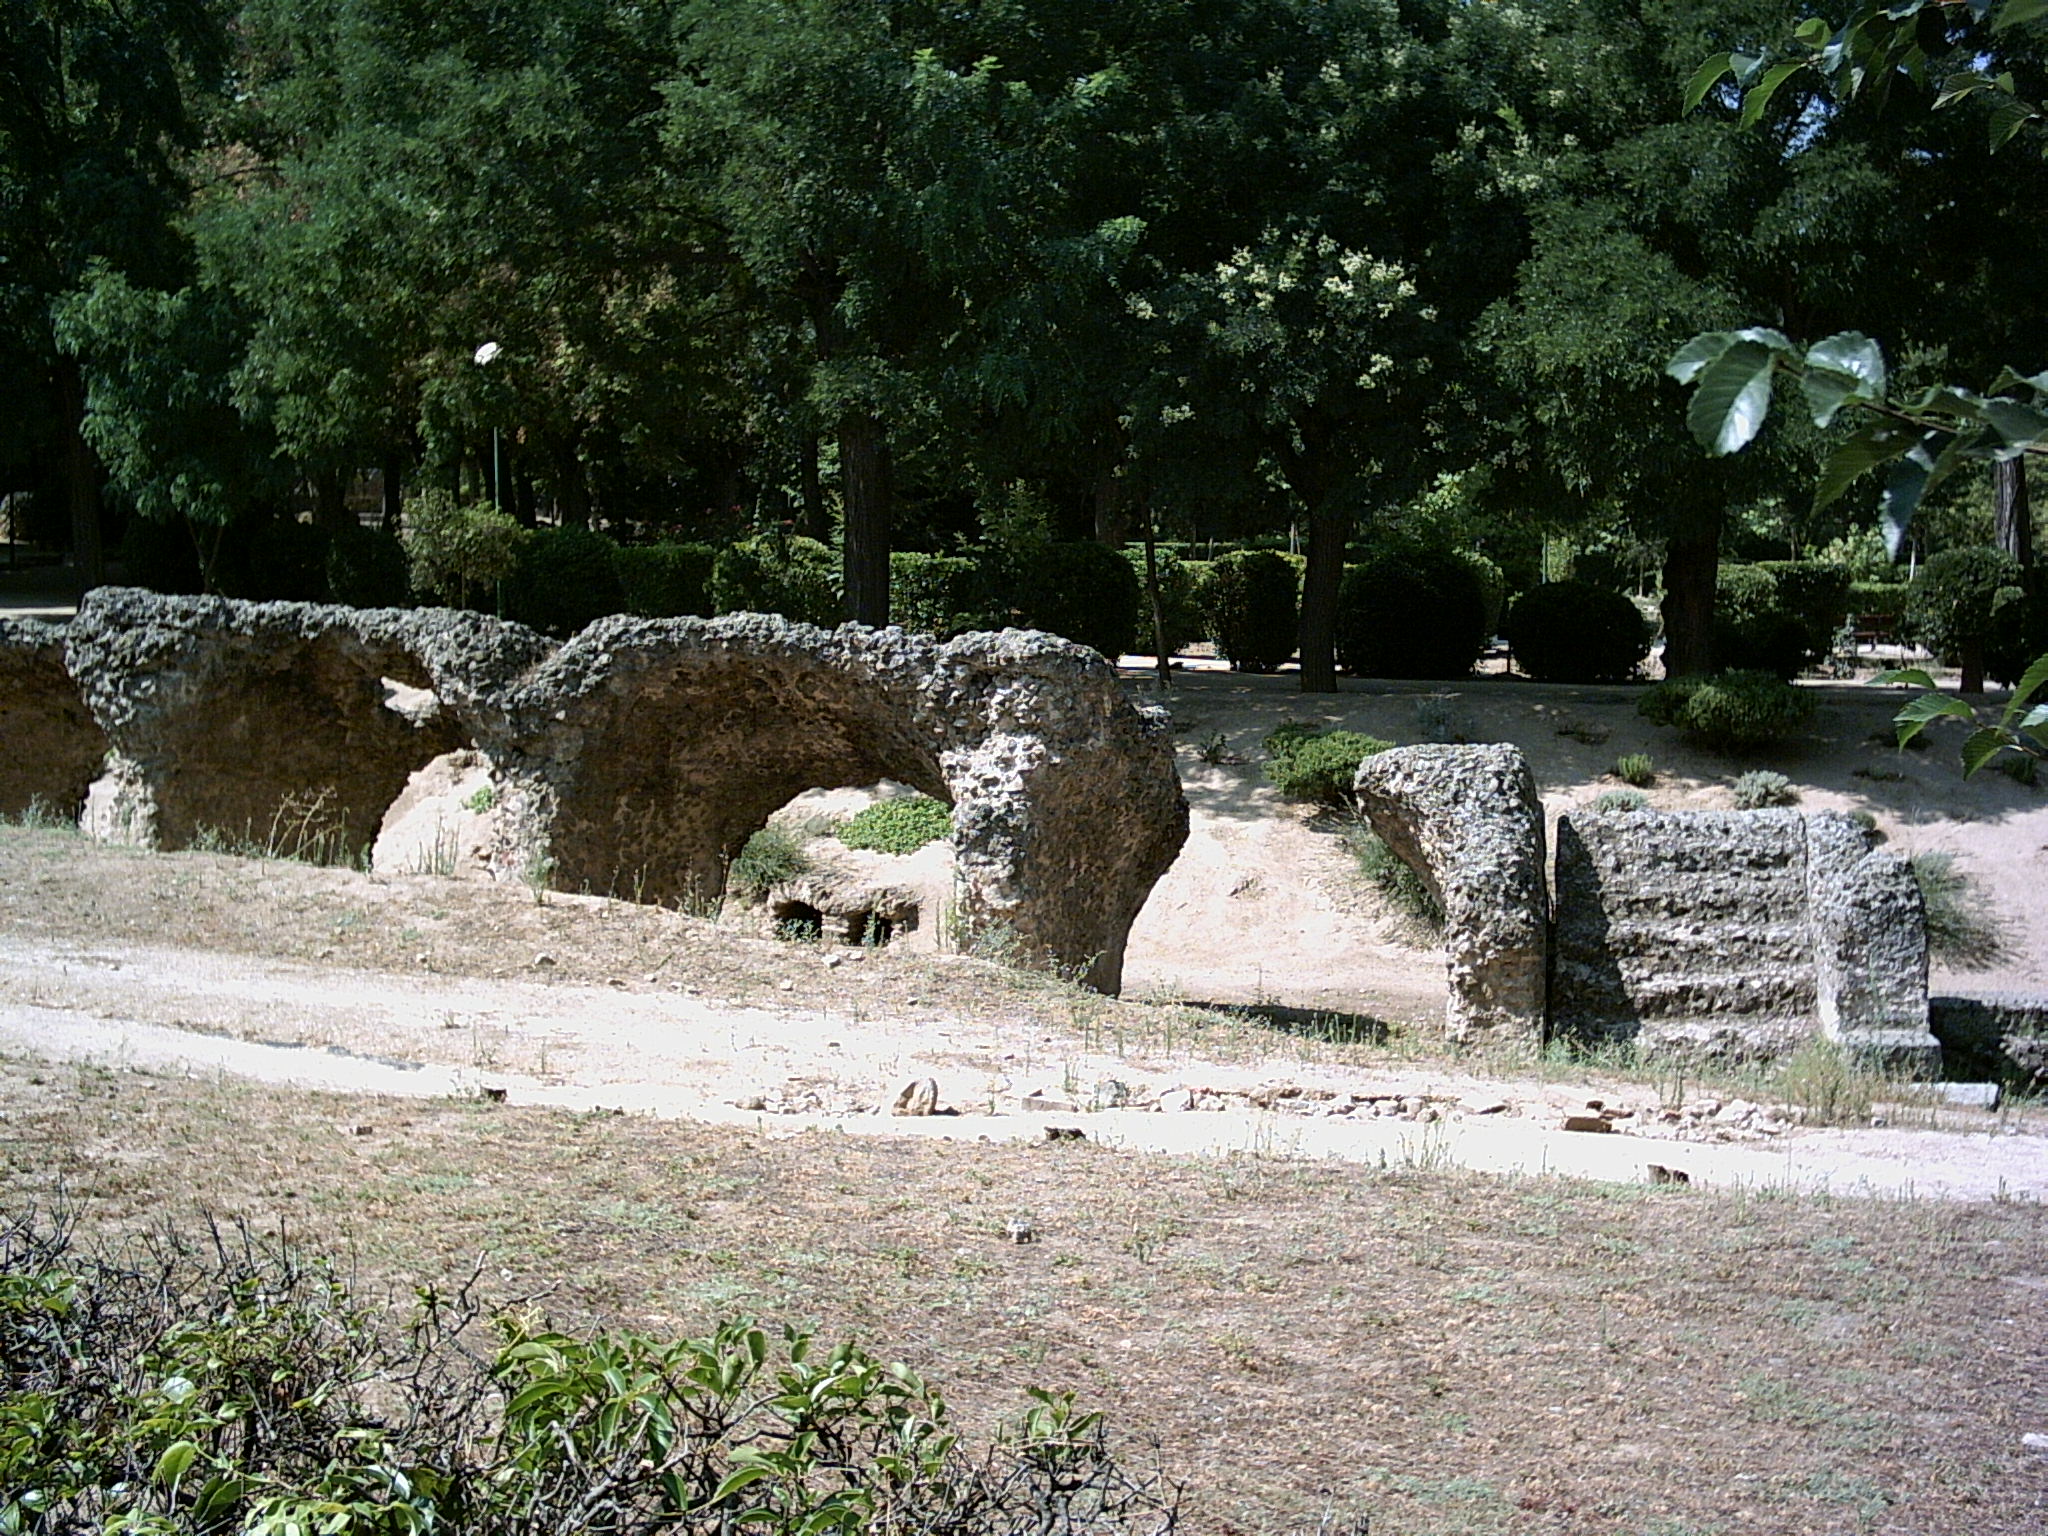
52,748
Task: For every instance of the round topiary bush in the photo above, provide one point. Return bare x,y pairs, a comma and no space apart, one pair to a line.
1967,606
1411,613
565,578
1254,608
902,825
1576,632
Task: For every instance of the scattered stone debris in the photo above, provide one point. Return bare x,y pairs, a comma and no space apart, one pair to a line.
1065,1133
1020,1230
920,1096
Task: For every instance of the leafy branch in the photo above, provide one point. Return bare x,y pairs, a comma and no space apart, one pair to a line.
2018,728
1917,441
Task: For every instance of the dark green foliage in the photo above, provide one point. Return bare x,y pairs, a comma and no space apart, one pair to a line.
938,594
1493,586
1730,712
1577,632
1180,600
1254,606
365,568
286,562
666,581
1409,612
1083,591
901,825
231,1384
459,552
565,578
1386,870
767,859
1969,607
773,573
1877,597
1778,616
1307,763
160,554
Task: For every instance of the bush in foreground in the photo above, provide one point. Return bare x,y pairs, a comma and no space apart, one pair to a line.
234,1385
1306,763
1734,712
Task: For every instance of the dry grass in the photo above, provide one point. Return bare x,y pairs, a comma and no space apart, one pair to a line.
1442,1352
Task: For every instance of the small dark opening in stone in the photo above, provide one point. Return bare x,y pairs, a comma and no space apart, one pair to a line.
869,929
798,920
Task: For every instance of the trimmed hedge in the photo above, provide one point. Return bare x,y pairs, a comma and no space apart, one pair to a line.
1254,608
564,578
666,581
769,573
1577,632
1779,616
1081,590
938,594
1411,613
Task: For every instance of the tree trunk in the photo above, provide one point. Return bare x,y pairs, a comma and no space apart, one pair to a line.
1112,508
864,483
1152,594
572,488
1691,562
81,479
1973,671
1329,535
2012,519
394,492
330,499
817,520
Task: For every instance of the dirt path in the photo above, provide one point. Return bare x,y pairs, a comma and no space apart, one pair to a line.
580,1047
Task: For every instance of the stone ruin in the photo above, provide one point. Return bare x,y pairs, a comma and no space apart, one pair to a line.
634,759
1732,934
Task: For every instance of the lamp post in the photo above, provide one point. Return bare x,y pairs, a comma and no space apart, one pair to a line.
484,357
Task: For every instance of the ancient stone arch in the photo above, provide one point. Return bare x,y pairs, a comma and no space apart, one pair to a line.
639,757
261,720
50,749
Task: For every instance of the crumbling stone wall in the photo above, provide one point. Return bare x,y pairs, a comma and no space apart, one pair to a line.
263,720
639,757
1737,934
50,748
1468,821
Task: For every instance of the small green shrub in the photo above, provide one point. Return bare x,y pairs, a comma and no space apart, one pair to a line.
459,551
1962,929
1732,712
565,578
1307,763
1613,801
665,581
1575,632
771,857
1411,612
1254,608
901,825
1635,768
1389,874
1761,788
798,578
483,798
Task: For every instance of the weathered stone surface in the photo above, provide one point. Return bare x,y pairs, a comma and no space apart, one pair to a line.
1736,934
641,755
276,722
50,749
1467,819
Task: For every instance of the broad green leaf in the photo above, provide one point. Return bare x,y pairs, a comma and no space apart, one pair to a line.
2006,118
2033,719
1855,354
1874,445
1758,99
172,1464
2031,680
1825,393
1903,488
1687,362
1732,398
1777,341
1706,77
1913,677
2020,425
735,1482
1981,747
1813,32
1744,66
2017,12
1933,706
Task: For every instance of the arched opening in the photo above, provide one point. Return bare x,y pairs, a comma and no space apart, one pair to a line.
798,921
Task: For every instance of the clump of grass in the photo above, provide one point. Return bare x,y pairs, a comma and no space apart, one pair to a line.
1828,1085
771,857
482,799
1635,768
899,826
1761,787
1618,800
39,815
1962,930
1405,890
